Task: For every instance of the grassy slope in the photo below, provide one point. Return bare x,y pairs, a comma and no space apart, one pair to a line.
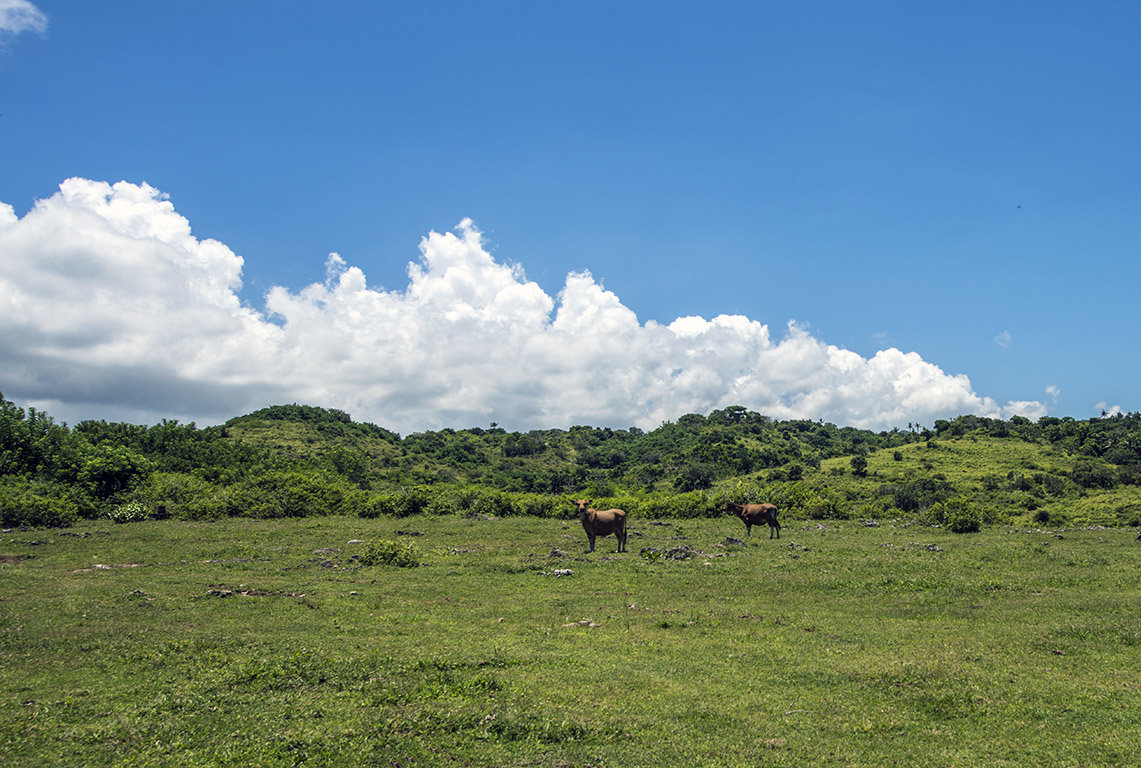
301,440
966,462
838,645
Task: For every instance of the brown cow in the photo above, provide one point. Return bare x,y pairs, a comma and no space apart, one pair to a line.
755,514
602,523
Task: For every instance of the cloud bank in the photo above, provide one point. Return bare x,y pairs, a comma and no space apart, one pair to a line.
111,308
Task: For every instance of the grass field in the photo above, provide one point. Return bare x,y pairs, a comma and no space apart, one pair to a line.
266,643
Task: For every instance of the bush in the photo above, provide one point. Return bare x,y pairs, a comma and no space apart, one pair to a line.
680,505
414,501
179,493
960,517
915,496
387,552
379,504
537,505
825,506
694,477
25,503
471,501
494,503
276,494
131,512
1091,475
109,470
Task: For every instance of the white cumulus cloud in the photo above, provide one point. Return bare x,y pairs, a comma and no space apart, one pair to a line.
18,16
111,308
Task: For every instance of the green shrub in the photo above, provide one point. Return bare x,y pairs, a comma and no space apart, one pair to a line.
29,503
536,505
494,503
130,512
444,504
679,505
961,516
275,494
825,506
177,493
387,552
414,501
108,470
380,504
213,507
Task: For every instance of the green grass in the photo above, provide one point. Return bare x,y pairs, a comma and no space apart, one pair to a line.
265,643
985,471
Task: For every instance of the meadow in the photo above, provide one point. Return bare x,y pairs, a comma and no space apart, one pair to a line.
271,643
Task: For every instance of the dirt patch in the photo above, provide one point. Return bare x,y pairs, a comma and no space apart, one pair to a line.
224,592
684,552
10,559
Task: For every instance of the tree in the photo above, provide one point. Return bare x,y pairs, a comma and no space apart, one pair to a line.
109,470
694,477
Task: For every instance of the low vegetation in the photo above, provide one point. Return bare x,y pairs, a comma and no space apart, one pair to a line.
302,461
287,642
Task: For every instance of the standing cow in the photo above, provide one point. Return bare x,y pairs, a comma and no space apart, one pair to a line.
755,514
602,522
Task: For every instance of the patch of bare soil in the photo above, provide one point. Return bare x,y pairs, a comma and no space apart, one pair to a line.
216,591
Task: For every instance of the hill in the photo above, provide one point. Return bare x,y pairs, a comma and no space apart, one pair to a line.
299,460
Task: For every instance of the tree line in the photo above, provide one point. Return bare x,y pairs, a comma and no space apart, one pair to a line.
298,460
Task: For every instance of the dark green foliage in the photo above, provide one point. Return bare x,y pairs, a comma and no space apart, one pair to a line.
30,502
694,477
292,494
32,444
109,470
295,460
329,421
530,444
1090,475
958,515
917,495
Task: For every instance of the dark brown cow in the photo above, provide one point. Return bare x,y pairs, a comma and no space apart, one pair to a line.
602,523
755,514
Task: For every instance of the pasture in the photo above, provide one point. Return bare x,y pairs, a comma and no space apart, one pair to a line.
268,643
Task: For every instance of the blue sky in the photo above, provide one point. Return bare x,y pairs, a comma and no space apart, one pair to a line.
957,185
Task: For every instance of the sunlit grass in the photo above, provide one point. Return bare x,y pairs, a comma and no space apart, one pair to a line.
266,643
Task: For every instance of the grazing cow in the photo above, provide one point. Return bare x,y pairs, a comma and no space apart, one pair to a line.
602,522
755,514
